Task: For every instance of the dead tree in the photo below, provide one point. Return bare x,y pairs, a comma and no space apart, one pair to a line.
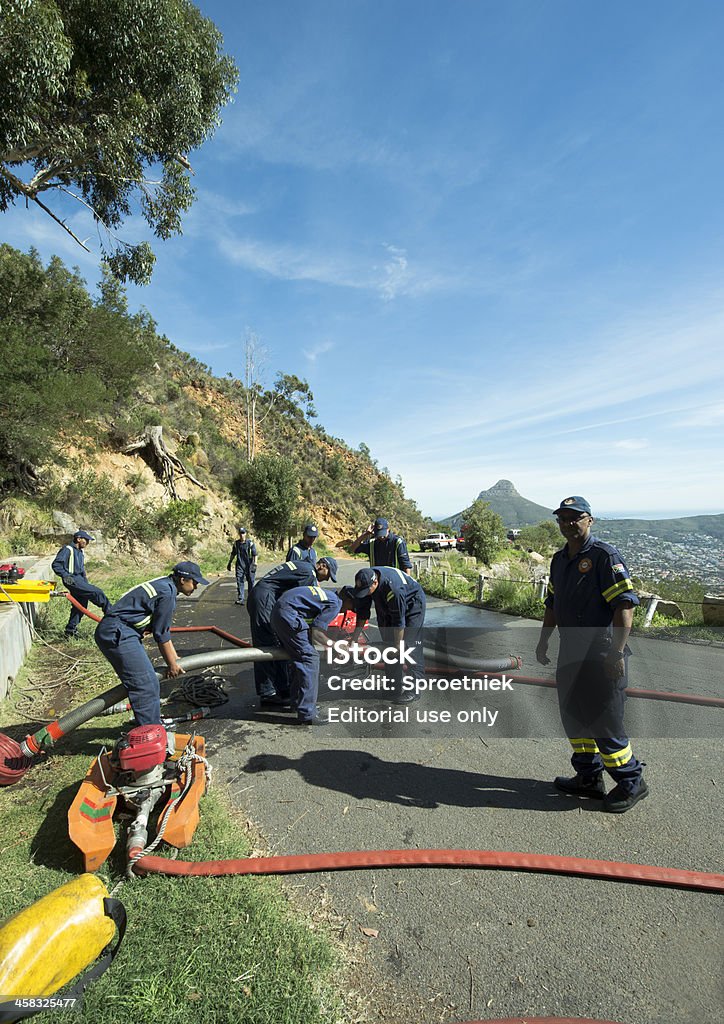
166,466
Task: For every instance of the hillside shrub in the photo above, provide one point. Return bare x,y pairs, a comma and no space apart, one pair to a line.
182,516
515,598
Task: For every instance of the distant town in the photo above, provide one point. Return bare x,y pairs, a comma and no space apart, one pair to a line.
694,556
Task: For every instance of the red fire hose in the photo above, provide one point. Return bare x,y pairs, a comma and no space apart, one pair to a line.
674,878
221,633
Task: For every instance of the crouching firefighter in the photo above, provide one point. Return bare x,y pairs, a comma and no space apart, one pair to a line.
271,678
400,606
300,618
146,609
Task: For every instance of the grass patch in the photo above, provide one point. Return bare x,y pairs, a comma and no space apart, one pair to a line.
196,949
515,598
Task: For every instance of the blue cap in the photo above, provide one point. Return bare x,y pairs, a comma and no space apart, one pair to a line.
190,570
241,529
331,564
82,535
363,582
310,530
575,504
381,526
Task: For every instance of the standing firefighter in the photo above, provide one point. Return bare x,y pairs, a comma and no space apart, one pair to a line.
303,550
300,618
591,601
147,608
271,678
69,564
381,546
244,552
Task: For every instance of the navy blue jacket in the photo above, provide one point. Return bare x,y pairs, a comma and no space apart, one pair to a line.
389,550
149,607
395,598
69,562
301,554
244,551
313,605
584,590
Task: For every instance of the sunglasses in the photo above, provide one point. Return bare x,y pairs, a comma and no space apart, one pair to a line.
571,518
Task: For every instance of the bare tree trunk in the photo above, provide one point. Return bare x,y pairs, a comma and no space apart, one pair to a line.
164,464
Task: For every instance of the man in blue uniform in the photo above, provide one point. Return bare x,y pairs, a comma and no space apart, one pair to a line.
303,550
271,679
244,552
300,618
381,546
69,564
400,606
591,601
147,608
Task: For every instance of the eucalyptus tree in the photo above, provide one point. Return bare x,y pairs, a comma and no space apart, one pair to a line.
103,101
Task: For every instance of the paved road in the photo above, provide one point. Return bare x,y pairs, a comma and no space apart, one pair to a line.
461,945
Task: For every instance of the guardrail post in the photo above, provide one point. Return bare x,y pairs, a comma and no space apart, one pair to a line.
651,610
480,592
444,581
541,588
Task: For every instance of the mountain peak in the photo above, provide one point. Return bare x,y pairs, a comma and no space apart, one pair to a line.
503,489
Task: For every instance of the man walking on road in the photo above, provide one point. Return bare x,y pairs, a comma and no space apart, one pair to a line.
69,564
591,601
244,551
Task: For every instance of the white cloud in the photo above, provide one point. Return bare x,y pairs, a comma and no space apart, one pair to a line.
320,349
632,444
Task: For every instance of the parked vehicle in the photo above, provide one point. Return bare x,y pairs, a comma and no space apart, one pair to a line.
438,542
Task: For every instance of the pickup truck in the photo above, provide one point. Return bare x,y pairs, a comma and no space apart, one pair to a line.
438,542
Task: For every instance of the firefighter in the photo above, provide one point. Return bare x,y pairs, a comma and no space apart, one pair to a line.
69,564
146,608
300,619
271,679
303,550
244,552
400,606
381,546
591,600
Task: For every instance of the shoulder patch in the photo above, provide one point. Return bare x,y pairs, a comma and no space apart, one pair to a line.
620,567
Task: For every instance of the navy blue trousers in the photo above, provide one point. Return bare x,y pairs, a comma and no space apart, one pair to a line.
304,667
244,575
270,677
84,592
123,648
413,637
592,711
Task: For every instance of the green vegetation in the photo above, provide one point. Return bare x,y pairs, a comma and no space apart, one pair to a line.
484,531
105,102
545,538
514,598
66,359
450,577
270,486
201,949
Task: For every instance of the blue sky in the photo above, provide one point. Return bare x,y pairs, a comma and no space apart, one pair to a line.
490,235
